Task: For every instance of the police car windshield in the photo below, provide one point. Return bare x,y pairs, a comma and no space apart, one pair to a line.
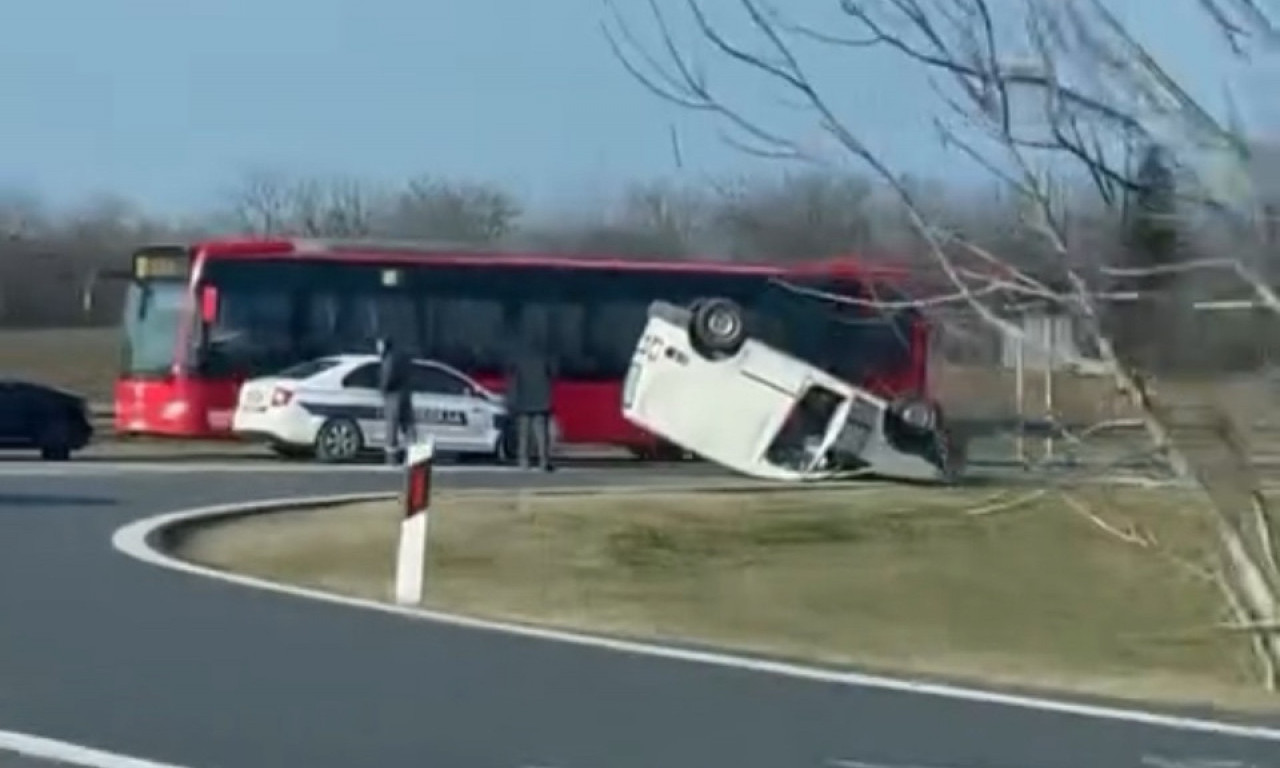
308,369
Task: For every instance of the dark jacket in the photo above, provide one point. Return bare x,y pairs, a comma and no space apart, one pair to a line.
393,374
530,373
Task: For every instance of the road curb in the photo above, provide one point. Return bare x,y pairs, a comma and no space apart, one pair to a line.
65,753
171,529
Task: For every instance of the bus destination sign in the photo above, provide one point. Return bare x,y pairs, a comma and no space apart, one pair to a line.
161,264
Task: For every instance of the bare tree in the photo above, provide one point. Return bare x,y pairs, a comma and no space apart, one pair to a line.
271,203
438,209
261,204
791,216
337,207
674,218
655,219
22,215
50,255
1042,92
805,215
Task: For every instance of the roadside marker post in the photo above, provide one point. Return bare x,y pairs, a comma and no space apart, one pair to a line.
411,556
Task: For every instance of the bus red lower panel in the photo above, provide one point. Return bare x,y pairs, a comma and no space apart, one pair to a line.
589,412
175,407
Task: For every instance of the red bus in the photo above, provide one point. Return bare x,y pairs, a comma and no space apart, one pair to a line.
200,319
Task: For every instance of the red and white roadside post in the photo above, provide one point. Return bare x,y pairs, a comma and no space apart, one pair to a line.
411,556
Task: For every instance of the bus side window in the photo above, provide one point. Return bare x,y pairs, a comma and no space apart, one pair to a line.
353,318
319,337
561,327
568,332
613,333
397,318
468,333
254,329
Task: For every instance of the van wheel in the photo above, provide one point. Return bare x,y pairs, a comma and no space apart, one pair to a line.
717,326
339,440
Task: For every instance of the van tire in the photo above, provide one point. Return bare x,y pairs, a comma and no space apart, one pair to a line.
717,327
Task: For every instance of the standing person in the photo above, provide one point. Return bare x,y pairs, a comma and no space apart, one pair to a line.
397,400
530,373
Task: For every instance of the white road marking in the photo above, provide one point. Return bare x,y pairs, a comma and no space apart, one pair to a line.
1156,761
40,748
842,763
133,540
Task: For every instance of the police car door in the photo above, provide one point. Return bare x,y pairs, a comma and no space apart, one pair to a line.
361,400
443,409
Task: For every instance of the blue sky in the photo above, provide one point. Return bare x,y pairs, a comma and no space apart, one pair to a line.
167,102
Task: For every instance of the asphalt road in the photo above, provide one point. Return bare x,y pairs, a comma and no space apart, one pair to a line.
104,651
8,760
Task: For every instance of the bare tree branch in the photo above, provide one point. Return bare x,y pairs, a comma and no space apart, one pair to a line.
1094,86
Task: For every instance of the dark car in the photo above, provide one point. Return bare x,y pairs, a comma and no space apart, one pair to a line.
44,418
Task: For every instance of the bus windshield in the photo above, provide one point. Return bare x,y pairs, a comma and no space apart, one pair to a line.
273,314
152,317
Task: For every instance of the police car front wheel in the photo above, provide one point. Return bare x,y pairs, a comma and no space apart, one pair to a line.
339,440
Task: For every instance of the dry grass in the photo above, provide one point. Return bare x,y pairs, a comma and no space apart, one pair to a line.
84,360
971,392
885,577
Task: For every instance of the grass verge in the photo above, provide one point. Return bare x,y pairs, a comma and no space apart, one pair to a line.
84,360
908,580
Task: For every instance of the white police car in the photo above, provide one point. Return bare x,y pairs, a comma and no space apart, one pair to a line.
330,409
699,381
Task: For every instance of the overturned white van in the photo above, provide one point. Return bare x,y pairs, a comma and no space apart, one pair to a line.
698,380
